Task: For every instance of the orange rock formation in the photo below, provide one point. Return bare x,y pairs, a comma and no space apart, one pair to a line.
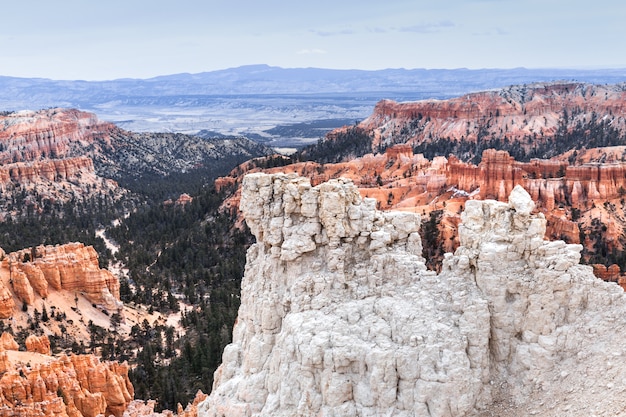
512,113
38,344
550,183
400,180
68,386
7,342
140,408
51,170
42,157
51,133
610,273
71,267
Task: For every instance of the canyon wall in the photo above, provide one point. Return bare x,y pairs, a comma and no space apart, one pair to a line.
46,160
49,134
513,113
339,316
36,384
61,134
400,180
50,170
549,182
32,273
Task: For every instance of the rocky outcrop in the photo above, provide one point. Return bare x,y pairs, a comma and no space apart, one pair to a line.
513,113
558,189
71,267
51,133
140,408
39,185
610,273
405,181
30,276
50,170
550,183
339,315
62,134
21,286
38,344
7,342
329,302
46,160
33,383
52,156
74,386
7,304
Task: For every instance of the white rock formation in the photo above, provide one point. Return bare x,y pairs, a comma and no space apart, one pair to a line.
339,316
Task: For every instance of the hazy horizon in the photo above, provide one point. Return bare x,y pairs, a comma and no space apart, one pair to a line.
556,69
77,40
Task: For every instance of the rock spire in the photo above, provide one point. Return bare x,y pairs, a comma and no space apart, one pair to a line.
340,317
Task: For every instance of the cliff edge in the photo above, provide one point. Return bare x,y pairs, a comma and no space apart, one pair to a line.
340,317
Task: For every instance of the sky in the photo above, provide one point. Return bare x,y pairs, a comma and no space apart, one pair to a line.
104,40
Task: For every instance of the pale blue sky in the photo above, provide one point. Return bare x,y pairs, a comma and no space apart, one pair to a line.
97,40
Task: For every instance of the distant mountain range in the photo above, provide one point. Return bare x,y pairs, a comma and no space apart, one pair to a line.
264,79
249,100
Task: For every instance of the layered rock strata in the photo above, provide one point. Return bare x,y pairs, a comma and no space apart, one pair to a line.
513,113
35,384
7,342
52,133
71,267
550,183
65,134
572,198
38,344
339,316
50,170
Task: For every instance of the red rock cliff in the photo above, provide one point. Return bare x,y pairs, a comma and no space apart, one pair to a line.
43,159
71,267
550,183
51,133
400,180
35,384
51,170
511,113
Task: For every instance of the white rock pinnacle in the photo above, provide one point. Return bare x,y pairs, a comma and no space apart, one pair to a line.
339,316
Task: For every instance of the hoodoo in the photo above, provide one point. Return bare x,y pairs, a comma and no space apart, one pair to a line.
340,317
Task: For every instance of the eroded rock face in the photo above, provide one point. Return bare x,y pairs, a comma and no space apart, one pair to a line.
337,312
74,386
38,344
140,408
46,170
7,342
339,316
59,155
71,267
400,180
51,133
514,113
41,139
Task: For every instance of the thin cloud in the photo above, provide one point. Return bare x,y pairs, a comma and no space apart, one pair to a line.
428,27
334,32
377,30
313,51
492,32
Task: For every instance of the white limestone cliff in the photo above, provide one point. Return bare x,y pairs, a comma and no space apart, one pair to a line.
339,316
